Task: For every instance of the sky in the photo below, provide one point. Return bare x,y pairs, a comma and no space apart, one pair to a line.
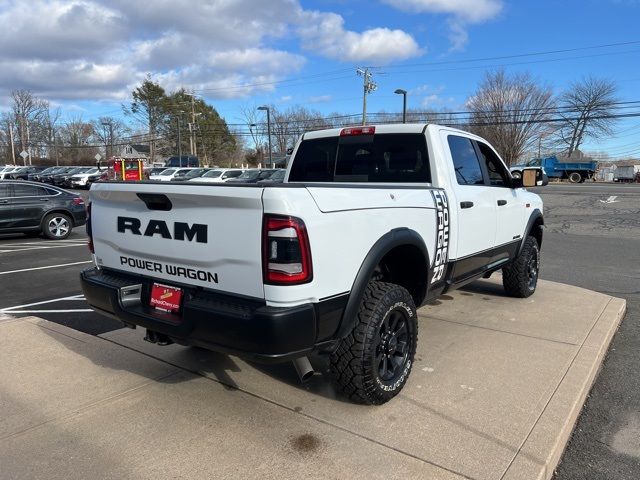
85,56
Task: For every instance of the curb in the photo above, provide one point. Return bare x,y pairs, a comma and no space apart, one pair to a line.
542,450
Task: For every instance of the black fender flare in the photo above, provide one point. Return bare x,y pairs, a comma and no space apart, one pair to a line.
535,216
392,239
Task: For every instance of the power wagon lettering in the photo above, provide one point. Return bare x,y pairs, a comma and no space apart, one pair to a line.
181,231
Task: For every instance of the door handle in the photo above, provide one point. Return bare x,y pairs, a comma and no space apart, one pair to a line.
43,199
501,203
466,204
4,201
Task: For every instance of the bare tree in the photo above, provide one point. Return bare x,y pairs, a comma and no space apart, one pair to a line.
510,111
109,131
77,135
586,109
28,112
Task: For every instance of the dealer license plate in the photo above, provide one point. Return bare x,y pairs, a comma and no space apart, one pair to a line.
166,298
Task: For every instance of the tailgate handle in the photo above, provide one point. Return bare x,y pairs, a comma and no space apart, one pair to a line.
156,201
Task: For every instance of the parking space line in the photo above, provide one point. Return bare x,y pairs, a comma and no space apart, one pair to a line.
24,249
78,310
44,268
15,308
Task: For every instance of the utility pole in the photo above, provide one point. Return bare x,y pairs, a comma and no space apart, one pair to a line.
192,139
13,148
265,108
179,140
28,144
368,86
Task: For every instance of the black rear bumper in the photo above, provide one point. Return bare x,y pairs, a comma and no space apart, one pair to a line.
224,323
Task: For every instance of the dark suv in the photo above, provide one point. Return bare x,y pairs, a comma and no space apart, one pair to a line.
32,208
24,172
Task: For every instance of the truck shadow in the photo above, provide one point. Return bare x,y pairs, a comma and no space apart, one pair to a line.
231,372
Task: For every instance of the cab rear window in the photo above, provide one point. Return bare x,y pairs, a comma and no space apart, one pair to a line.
381,158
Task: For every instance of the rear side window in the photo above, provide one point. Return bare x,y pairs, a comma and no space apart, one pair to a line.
381,158
28,191
465,161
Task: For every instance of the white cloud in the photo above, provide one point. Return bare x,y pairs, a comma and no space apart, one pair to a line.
100,49
320,99
472,11
324,33
462,13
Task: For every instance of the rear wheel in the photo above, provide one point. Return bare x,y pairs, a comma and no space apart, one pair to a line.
575,177
56,226
520,277
516,174
372,364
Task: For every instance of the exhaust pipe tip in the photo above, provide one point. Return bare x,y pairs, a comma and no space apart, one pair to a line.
303,368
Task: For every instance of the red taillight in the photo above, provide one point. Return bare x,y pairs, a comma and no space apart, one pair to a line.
90,242
286,256
78,201
351,131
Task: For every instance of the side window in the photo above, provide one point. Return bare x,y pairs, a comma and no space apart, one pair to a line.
498,175
465,161
28,191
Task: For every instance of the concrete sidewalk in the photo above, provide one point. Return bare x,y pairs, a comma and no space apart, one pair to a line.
496,388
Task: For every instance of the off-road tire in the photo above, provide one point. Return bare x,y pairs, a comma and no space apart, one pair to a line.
57,226
520,277
358,364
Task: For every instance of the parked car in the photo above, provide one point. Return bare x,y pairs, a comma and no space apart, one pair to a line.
96,177
4,173
22,173
62,179
32,208
48,177
182,161
276,177
168,173
154,171
81,179
253,176
218,175
186,176
36,176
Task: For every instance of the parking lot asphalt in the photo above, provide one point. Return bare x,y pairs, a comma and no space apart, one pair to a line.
593,241
40,277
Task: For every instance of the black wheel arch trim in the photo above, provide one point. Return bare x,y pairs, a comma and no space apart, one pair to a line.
395,238
535,216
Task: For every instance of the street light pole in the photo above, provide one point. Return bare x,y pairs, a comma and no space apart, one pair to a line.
402,92
179,140
265,108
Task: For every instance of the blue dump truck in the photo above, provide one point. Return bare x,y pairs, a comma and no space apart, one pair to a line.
575,172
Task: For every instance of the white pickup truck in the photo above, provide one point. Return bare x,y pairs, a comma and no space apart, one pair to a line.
370,223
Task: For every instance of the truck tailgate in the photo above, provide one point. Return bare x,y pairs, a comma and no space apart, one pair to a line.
198,235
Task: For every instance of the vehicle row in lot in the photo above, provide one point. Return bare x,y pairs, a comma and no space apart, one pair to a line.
34,209
218,175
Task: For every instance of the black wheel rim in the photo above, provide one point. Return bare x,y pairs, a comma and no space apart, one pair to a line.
533,268
392,348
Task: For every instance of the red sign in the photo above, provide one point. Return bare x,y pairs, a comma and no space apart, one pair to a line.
166,298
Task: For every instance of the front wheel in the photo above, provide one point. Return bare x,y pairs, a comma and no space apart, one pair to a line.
56,226
520,277
372,364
